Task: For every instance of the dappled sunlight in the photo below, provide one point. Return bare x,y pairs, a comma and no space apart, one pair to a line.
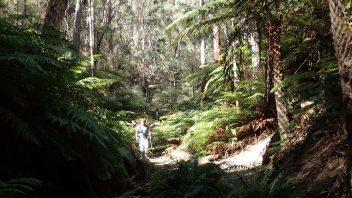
250,157
175,98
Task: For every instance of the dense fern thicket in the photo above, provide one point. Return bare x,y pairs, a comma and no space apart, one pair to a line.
192,180
198,129
48,133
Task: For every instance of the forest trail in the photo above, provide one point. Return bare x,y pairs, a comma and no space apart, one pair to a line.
249,157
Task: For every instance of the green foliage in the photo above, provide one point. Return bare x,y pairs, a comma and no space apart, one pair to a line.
18,186
208,180
249,94
190,180
44,111
197,126
264,185
172,126
94,82
320,87
206,122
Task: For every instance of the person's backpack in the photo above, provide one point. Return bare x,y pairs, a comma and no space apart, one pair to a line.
143,130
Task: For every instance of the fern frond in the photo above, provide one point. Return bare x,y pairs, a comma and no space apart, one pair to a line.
18,186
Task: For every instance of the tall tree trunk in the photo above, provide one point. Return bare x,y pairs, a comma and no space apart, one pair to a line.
77,25
254,42
202,62
55,14
107,22
217,43
202,43
107,18
202,52
342,35
236,78
274,55
91,34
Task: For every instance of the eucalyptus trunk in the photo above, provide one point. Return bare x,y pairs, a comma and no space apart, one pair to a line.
55,14
77,25
342,35
236,78
202,43
254,42
217,43
202,62
91,34
109,35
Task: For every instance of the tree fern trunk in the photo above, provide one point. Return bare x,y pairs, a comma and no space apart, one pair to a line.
342,35
55,14
275,59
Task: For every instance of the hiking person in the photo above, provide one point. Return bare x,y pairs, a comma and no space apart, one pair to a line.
142,133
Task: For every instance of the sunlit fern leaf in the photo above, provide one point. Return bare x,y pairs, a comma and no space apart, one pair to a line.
94,82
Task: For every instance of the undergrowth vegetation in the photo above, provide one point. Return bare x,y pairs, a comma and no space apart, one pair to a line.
208,180
51,109
197,127
67,122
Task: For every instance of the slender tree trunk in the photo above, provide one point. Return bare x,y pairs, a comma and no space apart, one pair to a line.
67,24
235,73
342,35
55,14
274,28
202,43
269,72
202,52
217,43
254,42
107,22
193,88
202,62
91,34
77,25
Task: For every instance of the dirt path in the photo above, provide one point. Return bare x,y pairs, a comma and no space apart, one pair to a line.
250,157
